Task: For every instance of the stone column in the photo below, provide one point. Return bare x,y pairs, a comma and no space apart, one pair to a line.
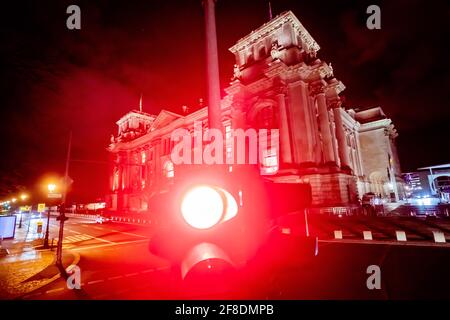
127,170
120,172
340,135
117,162
157,173
285,141
359,166
318,91
297,121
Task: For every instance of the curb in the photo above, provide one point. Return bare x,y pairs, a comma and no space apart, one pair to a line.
54,278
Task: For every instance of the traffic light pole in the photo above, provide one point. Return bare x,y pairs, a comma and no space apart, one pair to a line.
62,212
20,221
47,229
62,217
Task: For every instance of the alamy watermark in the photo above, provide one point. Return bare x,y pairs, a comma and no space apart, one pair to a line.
210,146
73,21
374,20
374,280
74,277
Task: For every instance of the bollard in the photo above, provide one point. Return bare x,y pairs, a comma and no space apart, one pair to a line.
338,234
401,235
439,237
367,235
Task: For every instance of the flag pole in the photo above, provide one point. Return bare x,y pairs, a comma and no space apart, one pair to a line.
270,11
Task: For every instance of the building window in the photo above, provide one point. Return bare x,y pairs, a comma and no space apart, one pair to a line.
124,176
227,132
269,163
115,179
143,176
169,170
228,143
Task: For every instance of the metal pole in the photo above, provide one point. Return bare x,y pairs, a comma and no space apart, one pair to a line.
306,222
62,216
212,66
47,228
60,237
20,221
29,221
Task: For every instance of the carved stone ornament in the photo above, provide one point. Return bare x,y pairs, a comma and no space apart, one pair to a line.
236,72
316,88
336,103
275,51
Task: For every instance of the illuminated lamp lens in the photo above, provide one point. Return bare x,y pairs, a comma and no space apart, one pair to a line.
231,209
202,207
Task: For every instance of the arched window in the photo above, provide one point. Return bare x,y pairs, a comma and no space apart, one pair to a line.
115,185
262,52
377,182
265,119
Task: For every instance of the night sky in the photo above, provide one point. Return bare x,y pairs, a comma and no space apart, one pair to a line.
54,80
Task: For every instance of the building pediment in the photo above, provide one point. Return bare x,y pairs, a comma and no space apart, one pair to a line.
272,27
164,117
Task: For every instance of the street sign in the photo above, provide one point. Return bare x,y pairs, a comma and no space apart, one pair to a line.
41,207
54,195
39,226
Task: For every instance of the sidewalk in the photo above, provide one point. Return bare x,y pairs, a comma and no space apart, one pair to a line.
25,237
26,269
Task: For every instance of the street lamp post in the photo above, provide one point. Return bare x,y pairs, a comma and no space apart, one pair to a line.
47,229
51,188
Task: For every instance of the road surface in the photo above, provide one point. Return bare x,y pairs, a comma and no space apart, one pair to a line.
115,263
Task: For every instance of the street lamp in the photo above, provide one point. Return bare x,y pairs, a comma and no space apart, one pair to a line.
51,188
23,197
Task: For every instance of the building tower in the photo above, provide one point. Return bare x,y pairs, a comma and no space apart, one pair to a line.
280,83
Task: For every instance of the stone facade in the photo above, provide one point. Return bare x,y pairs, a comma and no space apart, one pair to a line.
279,82
380,161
